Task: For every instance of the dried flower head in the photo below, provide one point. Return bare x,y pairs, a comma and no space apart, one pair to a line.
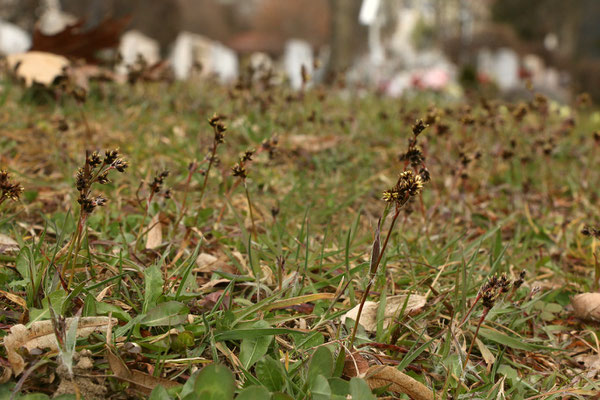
591,231
158,181
239,170
270,145
219,128
9,189
247,155
517,284
414,155
408,185
418,127
95,170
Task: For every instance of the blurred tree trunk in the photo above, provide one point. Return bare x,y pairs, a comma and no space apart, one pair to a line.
343,22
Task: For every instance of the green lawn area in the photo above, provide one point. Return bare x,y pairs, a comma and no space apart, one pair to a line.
202,284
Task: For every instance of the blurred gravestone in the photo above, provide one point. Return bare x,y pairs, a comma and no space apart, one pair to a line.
507,69
53,20
13,39
192,51
135,45
298,53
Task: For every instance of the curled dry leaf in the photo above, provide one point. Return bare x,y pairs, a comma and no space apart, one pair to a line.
8,244
393,307
586,306
355,365
141,381
40,335
154,236
37,67
398,382
206,262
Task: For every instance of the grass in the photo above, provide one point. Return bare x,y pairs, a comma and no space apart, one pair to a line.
506,194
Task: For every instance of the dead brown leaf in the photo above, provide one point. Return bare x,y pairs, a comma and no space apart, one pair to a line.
206,263
393,307
354,365
40,335
398,382
312,143
586,306
141,381
37,67
76,43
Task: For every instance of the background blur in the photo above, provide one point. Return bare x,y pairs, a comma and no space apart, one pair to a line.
396,46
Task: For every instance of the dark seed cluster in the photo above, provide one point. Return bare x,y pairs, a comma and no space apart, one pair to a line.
216,121
591,231
496,286
95,170
9,189
409,184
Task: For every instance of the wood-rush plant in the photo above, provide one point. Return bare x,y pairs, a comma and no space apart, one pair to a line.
95,170
219,128
409,185
9,189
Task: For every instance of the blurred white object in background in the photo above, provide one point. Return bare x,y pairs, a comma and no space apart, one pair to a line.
298,53
13,39
211,58
53,20
368,11
225,62
135,44
502,66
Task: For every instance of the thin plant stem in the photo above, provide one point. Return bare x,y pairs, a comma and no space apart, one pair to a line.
210,164
191,172
372,277
80,227
250,208
485,313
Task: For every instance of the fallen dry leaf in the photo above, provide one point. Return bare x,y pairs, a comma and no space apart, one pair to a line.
8,244
141,381
154,236
312,143
394,304
76,43
355,365
40,335
37,67
206,263
586,306
396,381
14,298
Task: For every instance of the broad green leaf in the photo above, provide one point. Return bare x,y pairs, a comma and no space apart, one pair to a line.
281,396
183,341
321,363
153,287
320,389
339,386
215,382
252,349
254,392
188,386
360,390
166,314
159,393
270,373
